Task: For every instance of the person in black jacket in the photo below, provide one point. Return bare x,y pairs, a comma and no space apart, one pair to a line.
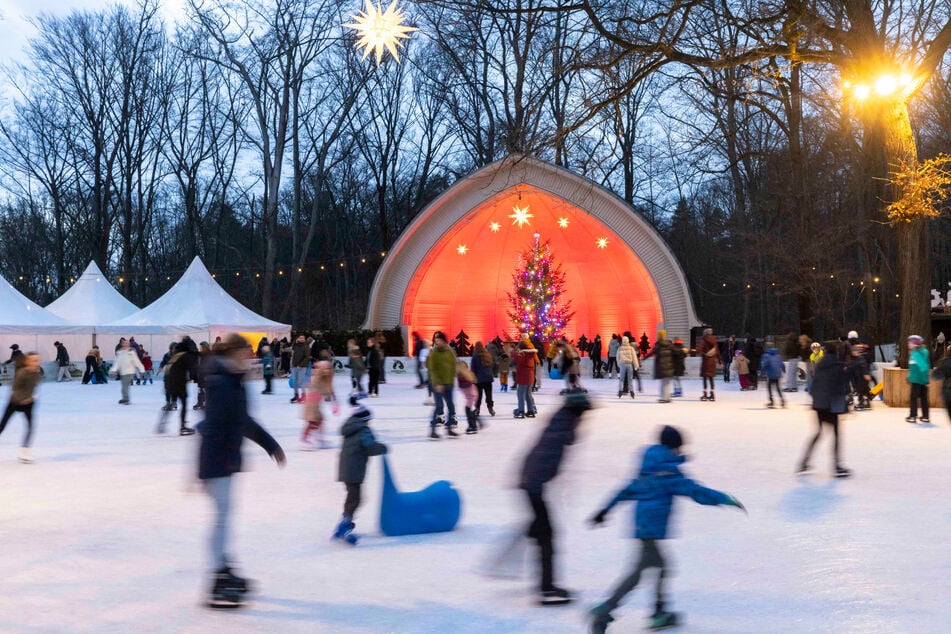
62,362
227,423
176,389
358,445
197,368
830,389
594,352
374,361
541,465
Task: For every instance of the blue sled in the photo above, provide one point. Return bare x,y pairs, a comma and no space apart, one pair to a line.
435,509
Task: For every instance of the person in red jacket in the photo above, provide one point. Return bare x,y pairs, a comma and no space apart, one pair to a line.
526,358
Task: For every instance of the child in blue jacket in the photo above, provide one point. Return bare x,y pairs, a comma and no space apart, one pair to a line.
772,364
658,481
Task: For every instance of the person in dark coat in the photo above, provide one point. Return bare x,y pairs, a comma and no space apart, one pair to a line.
942,371
198,367
226,425
176,389
62,363
418,348
540,467
663,354
358,445
753,350
830,389
658,481
482,365
374,361
594,352
170,404
16,355
709,354
727,351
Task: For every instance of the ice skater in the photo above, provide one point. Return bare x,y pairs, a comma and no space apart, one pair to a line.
830,392
267,368
176,389
321,389
773,366
127,365
358,445
441,364
540,467
26,376
658,481
526,359
943,371
227,423
919,370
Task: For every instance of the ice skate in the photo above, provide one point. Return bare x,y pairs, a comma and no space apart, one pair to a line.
25,456
633,395
619,393
664,620
924,421
803,469
531,414
451,428
911,419
433,435
307,445
713,397
186,431
491,411
555,596
702,398
518,414
344,531
599,622
842,472
227,592
770,405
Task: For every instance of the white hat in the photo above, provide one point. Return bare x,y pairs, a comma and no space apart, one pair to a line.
853,335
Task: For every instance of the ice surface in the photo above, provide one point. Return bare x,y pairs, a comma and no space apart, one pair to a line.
106,531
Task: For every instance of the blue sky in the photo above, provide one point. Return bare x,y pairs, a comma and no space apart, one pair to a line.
15,29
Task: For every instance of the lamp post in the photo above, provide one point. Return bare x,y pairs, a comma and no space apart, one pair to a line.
883,103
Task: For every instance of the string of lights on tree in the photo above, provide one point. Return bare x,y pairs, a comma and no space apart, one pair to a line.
538,284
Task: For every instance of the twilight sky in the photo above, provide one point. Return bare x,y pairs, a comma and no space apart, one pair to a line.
15,30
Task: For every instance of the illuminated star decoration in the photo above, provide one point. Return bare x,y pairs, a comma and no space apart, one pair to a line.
602,243
495,227
462,249
520,216
563,223
380,30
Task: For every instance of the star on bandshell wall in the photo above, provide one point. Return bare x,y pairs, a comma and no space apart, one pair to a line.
494,226
520,216
563,223
602,243
462,249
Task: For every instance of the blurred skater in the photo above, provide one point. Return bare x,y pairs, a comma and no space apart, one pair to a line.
830,391
919,371
26,376
226,425
321,390
658,481
358,445
482,367
526,359
540,467
774,367
267,367
441,364
176,389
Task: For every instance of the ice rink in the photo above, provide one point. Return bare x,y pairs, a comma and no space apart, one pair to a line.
106,530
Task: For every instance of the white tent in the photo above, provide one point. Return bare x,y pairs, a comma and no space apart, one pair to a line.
23,322
92,301
197,306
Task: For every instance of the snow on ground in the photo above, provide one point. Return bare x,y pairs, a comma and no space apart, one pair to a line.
106,531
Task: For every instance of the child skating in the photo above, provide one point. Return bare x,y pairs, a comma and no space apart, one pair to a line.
774,368
321,389
358,445
654,488
467,386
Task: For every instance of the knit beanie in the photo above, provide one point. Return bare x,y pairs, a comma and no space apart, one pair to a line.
670,437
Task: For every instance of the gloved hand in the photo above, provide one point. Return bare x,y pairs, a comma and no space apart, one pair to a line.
732,501
599,519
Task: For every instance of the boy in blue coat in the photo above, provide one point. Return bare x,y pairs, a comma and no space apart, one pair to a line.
358,445
772,364
267,368
658,481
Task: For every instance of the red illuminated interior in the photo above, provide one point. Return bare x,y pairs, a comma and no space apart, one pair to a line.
610,289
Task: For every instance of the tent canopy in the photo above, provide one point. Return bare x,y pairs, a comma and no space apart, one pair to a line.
18,315
196,303
92,301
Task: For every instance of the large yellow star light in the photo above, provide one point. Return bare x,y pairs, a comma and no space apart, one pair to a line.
520,216
381,30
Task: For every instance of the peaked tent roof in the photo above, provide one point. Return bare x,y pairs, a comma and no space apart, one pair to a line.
92,301
195,303
19,315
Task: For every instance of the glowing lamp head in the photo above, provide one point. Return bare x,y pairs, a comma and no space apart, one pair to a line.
862,92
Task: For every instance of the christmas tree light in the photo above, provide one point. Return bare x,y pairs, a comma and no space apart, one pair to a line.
536,306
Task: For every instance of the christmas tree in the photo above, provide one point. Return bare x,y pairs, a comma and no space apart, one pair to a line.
537,308
463,349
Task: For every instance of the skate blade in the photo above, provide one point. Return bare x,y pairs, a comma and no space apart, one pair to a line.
225,604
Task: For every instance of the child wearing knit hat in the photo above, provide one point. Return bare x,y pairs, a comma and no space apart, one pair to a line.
358,445
654,488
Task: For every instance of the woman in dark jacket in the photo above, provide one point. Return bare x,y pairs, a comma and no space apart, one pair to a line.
226,425
481,366
830,389
176,389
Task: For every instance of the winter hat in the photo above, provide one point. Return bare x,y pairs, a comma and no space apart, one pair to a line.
359,412
916,339
670,437
15,346
661,334
737,353
815,345
439,334
625,341
852,335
